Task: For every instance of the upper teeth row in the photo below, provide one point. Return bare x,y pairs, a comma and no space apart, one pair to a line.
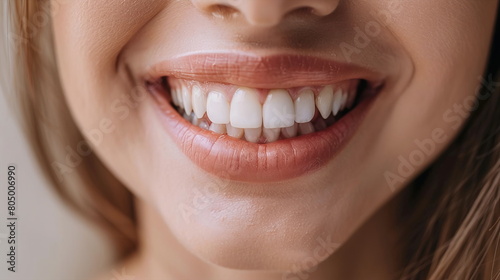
245,110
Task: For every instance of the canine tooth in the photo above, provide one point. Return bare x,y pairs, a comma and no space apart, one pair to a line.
306,128
337,101
217,108
253,134
278,110
235,132
218,128
204,125
246,111
289,132
344,101
324,101
304,107
199,102
186,99
271,134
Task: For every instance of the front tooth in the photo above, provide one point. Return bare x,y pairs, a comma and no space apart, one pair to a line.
344,101
253,134
337,101
199,102
186,99
324,101
278,109
235,132
289,132
304,107
246,111
271,134
217,108
306,128
218,128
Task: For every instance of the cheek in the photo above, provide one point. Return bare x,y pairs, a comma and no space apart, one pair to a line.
109,109
448,47
89,37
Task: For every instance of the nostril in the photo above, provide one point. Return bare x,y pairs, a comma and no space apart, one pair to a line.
222,11
302,12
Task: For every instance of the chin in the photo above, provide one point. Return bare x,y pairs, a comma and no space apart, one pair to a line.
285,249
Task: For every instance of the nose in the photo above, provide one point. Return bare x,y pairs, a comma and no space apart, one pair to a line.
266,13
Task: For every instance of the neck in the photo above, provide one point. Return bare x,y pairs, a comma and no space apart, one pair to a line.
371,253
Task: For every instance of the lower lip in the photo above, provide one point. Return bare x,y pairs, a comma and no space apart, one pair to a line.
238,160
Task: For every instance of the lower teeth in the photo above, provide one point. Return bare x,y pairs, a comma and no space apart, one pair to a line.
261,135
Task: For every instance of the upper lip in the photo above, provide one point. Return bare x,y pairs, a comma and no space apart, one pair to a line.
252,70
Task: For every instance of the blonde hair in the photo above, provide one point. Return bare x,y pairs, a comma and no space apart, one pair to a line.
87,186
451,218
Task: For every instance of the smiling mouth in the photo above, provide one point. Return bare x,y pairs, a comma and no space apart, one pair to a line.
253,118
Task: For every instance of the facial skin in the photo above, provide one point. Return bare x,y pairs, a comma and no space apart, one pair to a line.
430,53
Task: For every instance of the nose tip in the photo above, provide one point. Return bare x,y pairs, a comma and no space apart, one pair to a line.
266,13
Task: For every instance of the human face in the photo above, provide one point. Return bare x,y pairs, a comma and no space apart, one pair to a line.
268,202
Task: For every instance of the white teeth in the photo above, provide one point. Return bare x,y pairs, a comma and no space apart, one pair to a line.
245,118
324,101
271,134
289,132
179,98
304,107
337,102
306,128
199,102
246,111
178,94
234,131
186,99
253,134
217,108
174,96
218,128
278,109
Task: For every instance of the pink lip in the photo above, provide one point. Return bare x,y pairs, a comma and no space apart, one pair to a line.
276,71
237,159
